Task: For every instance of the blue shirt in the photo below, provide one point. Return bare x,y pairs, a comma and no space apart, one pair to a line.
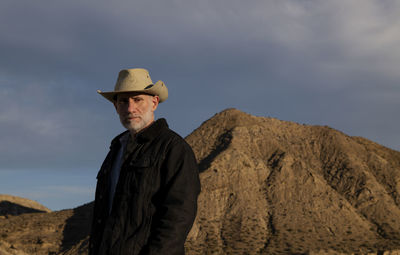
116,168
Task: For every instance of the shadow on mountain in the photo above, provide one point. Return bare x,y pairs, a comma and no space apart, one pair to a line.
77,227
9,208
223,142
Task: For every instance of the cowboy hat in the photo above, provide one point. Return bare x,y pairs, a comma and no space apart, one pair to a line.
136,80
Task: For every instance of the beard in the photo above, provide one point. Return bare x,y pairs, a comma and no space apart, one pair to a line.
141,121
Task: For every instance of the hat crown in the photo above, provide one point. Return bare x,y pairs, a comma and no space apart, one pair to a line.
133,79
136,80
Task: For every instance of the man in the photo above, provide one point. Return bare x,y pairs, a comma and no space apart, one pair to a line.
147,187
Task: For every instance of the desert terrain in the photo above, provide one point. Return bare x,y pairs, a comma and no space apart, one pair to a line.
268,187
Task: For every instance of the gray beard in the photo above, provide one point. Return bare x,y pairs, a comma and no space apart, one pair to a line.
135,127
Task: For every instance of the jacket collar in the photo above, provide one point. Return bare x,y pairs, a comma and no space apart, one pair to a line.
152,131
147,134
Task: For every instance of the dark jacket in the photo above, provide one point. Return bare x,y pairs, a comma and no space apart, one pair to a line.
155,201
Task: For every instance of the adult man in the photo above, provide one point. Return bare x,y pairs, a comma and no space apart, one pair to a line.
147,187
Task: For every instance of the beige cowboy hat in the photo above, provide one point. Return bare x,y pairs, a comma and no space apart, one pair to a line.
136,80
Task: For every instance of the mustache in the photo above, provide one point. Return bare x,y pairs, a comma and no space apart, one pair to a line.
130,115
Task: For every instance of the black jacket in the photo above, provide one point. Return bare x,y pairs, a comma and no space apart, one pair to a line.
155,201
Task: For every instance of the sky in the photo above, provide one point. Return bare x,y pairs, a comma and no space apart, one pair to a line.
333,62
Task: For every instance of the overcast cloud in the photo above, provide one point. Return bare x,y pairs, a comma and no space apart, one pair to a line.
330,63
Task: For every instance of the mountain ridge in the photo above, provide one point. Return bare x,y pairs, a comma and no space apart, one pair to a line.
14,205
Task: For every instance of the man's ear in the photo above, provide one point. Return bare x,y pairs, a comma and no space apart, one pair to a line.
115,101
155,100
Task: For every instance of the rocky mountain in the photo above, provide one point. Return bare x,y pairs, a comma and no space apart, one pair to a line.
268,187
278,187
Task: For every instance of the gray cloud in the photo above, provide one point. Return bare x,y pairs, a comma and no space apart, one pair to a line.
317,62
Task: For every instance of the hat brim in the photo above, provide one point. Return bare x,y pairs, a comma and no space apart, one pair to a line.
158,89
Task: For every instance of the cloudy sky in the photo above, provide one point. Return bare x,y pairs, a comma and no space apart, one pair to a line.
334,62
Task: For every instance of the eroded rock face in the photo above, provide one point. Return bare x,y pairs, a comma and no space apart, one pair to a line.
268,187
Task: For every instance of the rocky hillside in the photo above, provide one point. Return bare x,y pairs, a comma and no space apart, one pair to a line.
60,232
12,205
268,187
277,187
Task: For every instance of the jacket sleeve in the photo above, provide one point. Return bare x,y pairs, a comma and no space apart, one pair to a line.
177,207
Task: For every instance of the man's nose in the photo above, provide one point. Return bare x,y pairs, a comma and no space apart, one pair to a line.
131,105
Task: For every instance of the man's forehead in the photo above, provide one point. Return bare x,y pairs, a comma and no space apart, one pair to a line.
132,94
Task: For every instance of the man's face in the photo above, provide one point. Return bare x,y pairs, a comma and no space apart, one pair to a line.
135,110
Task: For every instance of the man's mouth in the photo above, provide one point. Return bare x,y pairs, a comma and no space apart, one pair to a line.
132,117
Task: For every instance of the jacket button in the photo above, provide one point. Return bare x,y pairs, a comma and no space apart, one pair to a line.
101,196
99,221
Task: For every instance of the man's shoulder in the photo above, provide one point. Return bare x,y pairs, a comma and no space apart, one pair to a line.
160,134
176,142
172,134
159,130
168,133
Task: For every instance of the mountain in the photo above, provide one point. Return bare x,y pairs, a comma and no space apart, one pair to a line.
268,187
12,205
272,186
